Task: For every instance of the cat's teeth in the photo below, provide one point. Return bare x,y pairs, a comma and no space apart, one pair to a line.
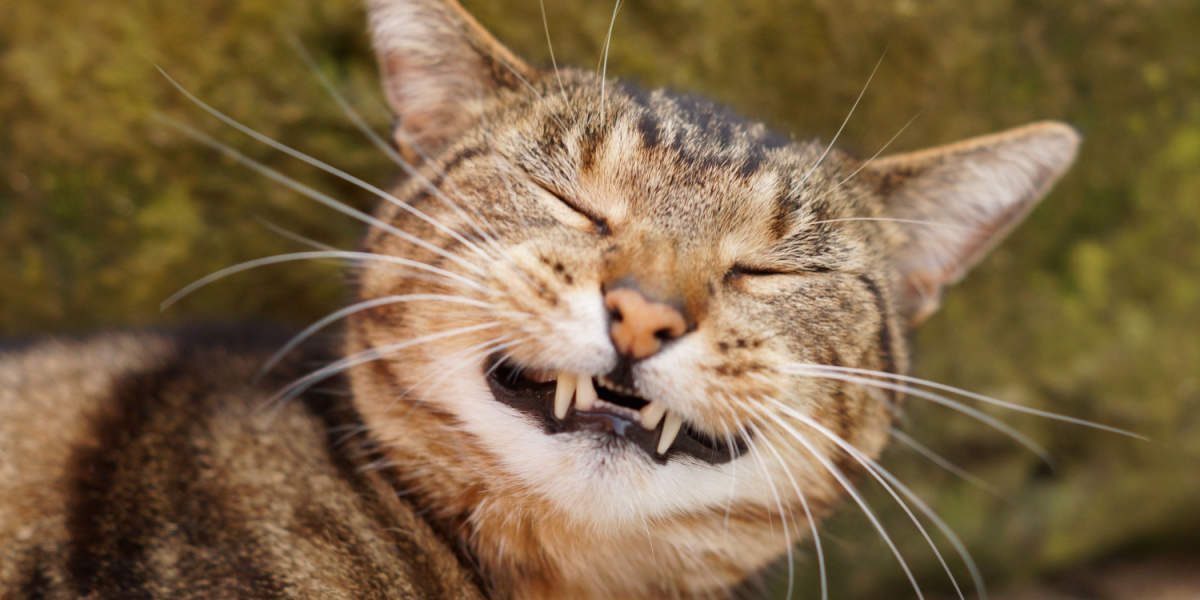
670,429
653,413
585,394
563,393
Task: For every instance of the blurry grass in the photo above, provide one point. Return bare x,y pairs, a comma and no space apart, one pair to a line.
1091,309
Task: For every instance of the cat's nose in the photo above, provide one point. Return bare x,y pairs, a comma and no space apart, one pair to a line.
639,325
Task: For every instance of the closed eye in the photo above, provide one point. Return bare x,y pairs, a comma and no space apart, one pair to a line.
599,222
756,271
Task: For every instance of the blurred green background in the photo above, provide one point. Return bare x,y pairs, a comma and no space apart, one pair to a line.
1092,309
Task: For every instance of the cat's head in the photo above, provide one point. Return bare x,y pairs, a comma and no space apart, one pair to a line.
716,293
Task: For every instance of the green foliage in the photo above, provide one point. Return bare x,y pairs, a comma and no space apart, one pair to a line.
1090,310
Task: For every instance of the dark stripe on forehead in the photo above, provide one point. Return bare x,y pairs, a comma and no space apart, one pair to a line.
752,163
648,128
590,141
885,331
639,96
781,221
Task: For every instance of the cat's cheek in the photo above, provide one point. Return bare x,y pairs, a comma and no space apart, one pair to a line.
589,479
579,340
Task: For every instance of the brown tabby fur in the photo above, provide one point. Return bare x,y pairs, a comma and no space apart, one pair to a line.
143,463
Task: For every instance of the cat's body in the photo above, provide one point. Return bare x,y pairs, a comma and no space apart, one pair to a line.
613,343
145,466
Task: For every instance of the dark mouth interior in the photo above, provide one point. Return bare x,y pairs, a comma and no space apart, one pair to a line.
536,399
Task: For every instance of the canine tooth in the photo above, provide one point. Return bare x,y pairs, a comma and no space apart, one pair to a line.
670,430
585,394
653,413
563,394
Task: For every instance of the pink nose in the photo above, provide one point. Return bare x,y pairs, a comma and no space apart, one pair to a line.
640,326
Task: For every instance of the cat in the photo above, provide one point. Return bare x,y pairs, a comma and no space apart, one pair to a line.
606,343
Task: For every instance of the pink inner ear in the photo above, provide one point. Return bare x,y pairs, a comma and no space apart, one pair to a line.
967,196
437,63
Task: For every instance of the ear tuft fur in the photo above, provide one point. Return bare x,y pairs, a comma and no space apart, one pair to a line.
974,192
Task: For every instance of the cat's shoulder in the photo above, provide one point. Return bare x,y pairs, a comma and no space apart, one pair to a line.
159,463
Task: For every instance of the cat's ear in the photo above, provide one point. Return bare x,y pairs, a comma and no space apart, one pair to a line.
970,195
438,63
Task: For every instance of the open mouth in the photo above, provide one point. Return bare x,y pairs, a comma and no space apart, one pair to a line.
566,402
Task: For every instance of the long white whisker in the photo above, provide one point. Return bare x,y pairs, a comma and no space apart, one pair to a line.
974,396
528,85
550,44
733,453
325,166
604,58
762,465
387,149
445,364
845,121
359,307
298,386
1008,430
890,220
858,499
295,237
941,461
812,524
887,480
311,193
869,160
322,254
512,194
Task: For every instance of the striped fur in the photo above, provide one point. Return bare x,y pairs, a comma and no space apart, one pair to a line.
137,465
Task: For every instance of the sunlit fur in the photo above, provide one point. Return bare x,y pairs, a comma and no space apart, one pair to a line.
779,254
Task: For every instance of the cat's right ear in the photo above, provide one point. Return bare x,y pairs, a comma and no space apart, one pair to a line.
960,200
437,63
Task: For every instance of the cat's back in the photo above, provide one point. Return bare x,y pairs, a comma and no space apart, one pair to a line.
148,465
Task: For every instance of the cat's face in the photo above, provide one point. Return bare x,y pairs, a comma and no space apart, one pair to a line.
628,356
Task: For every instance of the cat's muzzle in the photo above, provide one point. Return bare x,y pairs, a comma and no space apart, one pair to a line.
567,402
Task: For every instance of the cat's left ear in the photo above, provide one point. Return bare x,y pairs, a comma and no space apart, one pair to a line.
970,195
438,63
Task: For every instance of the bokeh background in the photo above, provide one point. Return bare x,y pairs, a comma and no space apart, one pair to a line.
1092,309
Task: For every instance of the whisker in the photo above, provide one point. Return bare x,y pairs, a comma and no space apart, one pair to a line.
907,221
980,397
941,461
856,496
295,237
311,193
603,66
322,165
359,307
314,255
812,523
778,500
525,81
733,462
942,400
394,156
869,160
845,121
443,365
470,354
513,197
298,386
887,480
550,44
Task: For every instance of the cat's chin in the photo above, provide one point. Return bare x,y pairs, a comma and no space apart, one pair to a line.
619,418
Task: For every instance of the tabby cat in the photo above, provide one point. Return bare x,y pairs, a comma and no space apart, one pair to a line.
607,343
